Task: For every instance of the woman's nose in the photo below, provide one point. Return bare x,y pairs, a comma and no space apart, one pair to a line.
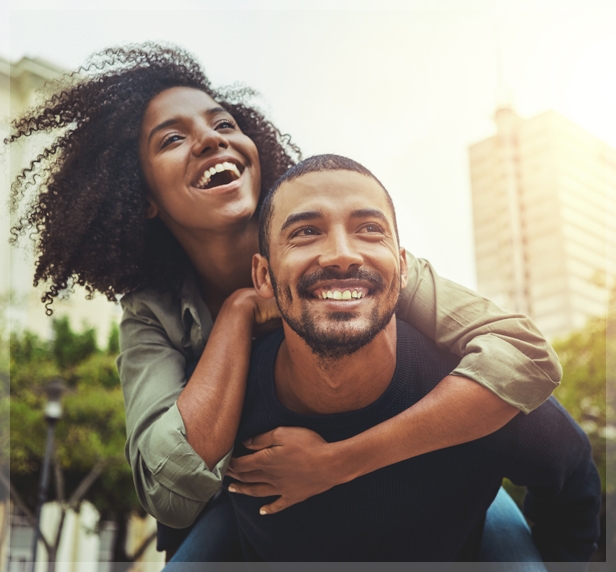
208,139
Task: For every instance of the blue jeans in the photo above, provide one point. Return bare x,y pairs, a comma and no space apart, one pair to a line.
506,538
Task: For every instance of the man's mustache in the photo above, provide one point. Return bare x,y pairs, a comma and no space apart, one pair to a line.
305,283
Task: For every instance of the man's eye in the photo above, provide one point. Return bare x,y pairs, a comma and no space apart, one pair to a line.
305,232
170,139
372,228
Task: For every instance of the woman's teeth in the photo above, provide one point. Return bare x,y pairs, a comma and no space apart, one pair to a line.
341,294
231,168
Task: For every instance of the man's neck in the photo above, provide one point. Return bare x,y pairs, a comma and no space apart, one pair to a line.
308,384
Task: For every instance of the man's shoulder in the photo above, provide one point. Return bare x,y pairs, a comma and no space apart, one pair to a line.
421,349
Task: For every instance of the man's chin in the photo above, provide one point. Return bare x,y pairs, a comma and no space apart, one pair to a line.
340,338
336,348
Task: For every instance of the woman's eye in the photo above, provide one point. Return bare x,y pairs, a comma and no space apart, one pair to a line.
225,124
170,139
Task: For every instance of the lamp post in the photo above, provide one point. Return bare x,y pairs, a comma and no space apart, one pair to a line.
53,412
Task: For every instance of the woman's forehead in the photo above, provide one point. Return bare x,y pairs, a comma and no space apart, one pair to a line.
178,101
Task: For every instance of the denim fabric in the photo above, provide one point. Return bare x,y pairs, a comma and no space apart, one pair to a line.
213,537
507,540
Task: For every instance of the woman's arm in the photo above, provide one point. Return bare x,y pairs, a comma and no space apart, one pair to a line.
502,351
506,366
180,433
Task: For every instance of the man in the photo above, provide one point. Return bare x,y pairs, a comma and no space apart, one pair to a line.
342,364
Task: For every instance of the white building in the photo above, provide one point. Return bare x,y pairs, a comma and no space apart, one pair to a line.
19,83
544,208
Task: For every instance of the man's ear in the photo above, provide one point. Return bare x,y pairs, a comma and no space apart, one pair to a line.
261,277
152,210
403,268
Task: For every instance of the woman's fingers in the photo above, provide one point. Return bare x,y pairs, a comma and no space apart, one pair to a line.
276,506
248,476
252,489
263,440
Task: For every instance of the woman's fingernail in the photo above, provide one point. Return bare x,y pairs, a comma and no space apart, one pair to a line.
232,489
262,511
248,442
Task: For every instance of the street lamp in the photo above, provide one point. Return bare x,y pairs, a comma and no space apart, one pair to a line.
53,411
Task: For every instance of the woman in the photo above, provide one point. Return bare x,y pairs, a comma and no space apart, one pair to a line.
151,190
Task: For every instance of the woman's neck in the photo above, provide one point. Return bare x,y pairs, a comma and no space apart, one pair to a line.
223,262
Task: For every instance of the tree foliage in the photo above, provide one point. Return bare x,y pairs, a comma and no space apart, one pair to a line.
92,429
583,389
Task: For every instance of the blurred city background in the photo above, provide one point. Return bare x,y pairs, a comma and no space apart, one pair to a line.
494,131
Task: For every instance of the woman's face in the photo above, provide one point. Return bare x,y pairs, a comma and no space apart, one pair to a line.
203,173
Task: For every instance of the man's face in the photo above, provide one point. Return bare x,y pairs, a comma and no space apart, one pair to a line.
335,265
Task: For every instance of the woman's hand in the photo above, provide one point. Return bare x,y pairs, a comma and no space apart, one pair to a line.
264,311
292,462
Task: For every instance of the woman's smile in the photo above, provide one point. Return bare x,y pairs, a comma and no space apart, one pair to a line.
201,170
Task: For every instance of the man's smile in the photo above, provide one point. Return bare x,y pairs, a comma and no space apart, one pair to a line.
340,293
329,284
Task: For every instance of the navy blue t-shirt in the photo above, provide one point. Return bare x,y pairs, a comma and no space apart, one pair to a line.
425,508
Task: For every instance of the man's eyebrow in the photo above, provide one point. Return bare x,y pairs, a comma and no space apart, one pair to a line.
368,213
174,120
298,217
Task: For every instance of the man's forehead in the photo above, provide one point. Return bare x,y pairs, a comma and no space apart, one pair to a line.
326,191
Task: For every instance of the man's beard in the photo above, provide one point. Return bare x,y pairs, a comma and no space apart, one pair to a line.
333,343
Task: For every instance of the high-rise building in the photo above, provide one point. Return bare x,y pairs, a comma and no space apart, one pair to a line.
544,208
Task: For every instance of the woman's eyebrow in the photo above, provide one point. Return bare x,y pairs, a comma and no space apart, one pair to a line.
163,125
174,120
215,110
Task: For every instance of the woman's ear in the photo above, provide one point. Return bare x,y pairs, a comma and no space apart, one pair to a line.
152,210
261,277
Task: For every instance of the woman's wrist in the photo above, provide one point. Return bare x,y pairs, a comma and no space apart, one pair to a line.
343,462
240,304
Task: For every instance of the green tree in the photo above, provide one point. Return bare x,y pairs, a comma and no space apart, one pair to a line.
89,461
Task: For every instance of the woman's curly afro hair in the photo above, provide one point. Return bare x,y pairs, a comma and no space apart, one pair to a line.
88,214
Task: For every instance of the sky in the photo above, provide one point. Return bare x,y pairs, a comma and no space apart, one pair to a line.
403,87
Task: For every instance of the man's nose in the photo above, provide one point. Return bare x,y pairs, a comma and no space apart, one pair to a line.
207,139
340,251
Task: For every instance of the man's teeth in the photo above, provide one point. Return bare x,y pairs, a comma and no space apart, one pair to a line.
218,168
341,294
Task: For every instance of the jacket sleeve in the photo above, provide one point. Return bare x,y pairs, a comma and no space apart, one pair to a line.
502,351
563,500
173,482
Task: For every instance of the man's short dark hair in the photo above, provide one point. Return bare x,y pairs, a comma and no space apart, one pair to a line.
314,164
